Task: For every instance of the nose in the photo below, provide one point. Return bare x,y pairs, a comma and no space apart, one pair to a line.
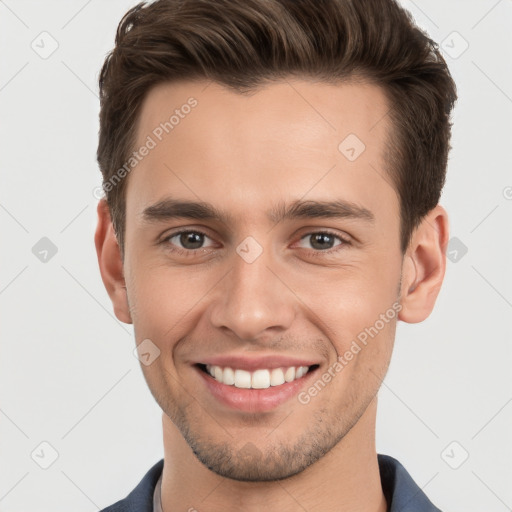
252,299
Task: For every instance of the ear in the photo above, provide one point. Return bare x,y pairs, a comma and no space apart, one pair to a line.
424,266
111,264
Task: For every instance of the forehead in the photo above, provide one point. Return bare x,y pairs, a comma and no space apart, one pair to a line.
285,141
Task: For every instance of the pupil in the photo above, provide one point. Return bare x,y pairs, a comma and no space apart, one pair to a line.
187,238
319,237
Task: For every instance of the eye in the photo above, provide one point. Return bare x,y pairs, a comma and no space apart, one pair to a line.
322,241
189,242
186,241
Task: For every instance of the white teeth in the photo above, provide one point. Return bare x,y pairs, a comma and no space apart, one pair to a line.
259,379
242,378
290,374
276,377
228,377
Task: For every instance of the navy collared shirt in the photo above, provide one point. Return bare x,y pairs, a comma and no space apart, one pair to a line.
401,491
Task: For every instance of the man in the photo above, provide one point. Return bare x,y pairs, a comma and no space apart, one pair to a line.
272,171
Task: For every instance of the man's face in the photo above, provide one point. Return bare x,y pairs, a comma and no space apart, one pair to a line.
211,293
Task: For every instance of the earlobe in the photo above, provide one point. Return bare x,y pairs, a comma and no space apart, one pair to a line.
424,267
110,263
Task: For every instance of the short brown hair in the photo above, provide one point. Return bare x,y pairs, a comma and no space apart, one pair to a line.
242,44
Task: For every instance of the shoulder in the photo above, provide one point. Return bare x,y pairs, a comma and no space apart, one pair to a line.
141,498
401,491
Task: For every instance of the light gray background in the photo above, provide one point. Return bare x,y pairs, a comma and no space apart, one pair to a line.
68,374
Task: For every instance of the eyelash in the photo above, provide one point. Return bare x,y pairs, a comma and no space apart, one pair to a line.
314,253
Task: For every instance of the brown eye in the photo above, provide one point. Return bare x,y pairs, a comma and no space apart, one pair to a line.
191,240
323,240
186,241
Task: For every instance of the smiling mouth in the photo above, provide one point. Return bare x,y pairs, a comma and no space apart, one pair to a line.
258,379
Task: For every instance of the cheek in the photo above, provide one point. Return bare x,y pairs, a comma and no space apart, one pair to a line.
363,328
165,302
354,305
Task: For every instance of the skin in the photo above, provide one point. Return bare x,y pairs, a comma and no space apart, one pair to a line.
243,154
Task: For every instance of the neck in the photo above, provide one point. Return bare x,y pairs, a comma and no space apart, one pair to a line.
346,479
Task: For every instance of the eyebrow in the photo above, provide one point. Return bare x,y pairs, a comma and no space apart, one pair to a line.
171,208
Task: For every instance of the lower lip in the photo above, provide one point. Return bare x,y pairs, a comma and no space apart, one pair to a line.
254,400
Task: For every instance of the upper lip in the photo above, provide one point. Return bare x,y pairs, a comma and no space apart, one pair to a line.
244,362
